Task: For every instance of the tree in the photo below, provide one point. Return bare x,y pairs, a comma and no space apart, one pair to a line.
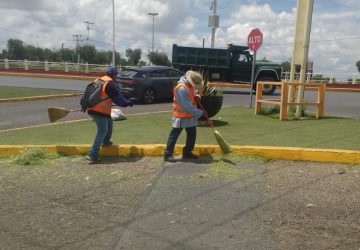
159,58
50,55
286,66
264,59
16,49
142,63
358,65
122,62
66,55
87,53
4,54
134,56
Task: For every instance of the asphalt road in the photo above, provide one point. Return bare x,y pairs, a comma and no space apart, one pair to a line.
21,114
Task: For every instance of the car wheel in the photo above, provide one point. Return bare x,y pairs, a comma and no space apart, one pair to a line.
149,96
267,88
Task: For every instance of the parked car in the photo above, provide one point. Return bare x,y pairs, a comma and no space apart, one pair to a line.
148,83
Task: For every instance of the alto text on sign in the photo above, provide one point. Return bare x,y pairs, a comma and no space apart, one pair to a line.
255,39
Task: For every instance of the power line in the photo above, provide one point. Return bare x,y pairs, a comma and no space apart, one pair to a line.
88,27
77,39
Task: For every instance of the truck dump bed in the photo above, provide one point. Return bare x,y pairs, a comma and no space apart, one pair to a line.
192,57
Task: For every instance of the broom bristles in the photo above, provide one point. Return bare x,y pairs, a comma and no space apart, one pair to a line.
57,113
225,147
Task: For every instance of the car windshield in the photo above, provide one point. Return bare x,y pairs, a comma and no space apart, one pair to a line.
128,73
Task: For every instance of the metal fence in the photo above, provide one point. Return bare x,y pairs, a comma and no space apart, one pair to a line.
51,66
326,78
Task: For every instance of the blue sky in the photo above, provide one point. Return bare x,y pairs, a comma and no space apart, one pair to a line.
47,23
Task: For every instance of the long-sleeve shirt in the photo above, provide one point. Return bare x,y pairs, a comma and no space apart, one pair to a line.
182,97
113,91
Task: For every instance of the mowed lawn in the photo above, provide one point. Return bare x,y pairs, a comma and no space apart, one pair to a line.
238,126
17,92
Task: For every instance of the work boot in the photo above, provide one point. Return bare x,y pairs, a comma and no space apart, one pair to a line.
190,156
93,160
169,158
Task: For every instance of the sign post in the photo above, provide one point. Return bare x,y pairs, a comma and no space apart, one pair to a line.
255,39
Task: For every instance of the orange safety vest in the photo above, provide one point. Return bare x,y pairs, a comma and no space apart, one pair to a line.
104,106
177,109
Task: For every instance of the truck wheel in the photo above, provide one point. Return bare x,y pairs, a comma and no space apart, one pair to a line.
149,96
267,89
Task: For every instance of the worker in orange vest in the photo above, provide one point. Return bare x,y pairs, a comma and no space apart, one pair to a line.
185,115
101,113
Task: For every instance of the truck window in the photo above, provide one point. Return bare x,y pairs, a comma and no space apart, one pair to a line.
243,58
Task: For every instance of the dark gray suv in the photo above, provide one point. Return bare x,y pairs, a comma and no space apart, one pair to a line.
148,83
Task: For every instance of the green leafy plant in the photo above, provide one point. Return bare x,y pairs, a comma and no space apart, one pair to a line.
270,110
208,89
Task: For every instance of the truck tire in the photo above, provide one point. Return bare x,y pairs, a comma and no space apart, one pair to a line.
267,89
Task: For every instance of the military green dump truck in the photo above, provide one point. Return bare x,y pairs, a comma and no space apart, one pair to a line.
233,64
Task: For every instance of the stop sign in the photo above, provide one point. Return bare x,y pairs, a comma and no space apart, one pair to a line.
255,39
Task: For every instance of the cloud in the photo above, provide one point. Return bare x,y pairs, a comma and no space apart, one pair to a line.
32,5
49,23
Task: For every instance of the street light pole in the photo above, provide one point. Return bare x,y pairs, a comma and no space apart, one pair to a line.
113,52
153,15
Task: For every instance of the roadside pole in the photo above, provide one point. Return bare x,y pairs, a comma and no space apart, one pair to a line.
255,40
252,80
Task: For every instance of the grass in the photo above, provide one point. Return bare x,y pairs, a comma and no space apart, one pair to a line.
237,125
17,92
34,157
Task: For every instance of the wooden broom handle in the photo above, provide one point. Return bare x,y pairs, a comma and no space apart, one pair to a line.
74,110
206,116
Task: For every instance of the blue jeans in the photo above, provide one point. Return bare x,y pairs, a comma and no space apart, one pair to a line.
174,135
104,127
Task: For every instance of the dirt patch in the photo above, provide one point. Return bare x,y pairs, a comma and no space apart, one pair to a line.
215,204
314,206
71,203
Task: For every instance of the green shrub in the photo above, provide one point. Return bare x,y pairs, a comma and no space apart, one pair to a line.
34,156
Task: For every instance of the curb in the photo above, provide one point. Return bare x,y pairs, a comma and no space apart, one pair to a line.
279,153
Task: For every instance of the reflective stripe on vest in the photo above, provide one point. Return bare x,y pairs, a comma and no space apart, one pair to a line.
177,109
104,106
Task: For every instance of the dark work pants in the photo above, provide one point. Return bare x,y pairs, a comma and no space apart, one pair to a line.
174,135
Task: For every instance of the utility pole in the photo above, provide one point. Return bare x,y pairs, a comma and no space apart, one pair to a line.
153,15
213,22
77,38
88,27
113,51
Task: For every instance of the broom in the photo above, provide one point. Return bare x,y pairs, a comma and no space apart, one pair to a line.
225,147
58,113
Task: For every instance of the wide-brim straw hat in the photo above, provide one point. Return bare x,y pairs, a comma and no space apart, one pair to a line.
194,78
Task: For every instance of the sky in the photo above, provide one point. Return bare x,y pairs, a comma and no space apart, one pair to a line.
334,41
